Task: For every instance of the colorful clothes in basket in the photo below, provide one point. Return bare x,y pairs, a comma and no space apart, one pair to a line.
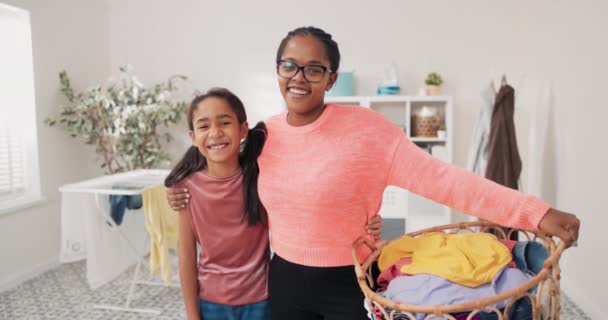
430,290
471,259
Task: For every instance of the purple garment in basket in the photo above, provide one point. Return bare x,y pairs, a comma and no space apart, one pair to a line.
430,290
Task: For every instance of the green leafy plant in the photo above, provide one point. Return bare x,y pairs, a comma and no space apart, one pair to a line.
122,119
433,79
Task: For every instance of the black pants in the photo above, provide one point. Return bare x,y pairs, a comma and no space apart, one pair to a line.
300,292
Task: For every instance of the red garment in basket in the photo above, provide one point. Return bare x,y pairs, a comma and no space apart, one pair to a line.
392,272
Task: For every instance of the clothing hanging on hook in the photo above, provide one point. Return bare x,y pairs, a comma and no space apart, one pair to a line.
503,82
504,162
478,154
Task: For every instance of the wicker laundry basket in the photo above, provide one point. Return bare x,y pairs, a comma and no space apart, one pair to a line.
425,126
546,281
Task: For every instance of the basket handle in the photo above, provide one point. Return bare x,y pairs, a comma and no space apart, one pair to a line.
376,248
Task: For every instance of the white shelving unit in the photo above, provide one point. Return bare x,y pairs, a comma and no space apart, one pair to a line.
397,203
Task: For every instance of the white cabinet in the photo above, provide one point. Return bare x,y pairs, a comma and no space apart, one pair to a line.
405,111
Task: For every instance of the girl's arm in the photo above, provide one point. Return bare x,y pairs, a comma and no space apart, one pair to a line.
188,272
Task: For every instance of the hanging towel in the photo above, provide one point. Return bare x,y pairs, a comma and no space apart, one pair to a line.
162,225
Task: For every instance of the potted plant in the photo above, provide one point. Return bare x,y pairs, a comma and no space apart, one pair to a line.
433,81
122,119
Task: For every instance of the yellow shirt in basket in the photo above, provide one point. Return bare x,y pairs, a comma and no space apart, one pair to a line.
471,259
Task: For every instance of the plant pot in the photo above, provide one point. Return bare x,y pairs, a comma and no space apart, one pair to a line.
432,90
441,134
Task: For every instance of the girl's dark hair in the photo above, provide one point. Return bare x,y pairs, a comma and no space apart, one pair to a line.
251,148
331,47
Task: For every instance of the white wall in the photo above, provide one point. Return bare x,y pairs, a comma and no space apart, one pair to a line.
469,42
70,35
573,52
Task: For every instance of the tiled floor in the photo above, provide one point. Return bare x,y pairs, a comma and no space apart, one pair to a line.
63,293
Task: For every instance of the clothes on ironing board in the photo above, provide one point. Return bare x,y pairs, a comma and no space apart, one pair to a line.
162,225
119,204
431,290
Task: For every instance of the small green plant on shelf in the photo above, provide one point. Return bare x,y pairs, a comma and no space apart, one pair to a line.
433,79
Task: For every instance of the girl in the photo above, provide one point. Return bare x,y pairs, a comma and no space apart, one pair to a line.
339,160
225,215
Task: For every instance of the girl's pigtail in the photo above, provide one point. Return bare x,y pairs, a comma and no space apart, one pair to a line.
191,162
254,210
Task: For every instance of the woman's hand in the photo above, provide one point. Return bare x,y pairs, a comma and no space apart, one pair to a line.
561,224
178,198
374,227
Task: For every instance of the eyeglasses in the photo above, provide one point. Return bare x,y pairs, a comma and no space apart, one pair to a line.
312,73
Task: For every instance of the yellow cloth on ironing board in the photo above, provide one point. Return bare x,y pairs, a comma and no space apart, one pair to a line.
162,225
470,259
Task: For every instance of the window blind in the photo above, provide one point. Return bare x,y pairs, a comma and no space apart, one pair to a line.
12,175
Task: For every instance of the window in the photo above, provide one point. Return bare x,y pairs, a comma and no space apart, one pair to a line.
19,173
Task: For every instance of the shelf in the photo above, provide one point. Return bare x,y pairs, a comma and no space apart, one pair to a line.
430,98
387,98
428,139
343,99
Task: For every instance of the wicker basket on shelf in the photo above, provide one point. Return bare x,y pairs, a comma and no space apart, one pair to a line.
425,126
548,278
